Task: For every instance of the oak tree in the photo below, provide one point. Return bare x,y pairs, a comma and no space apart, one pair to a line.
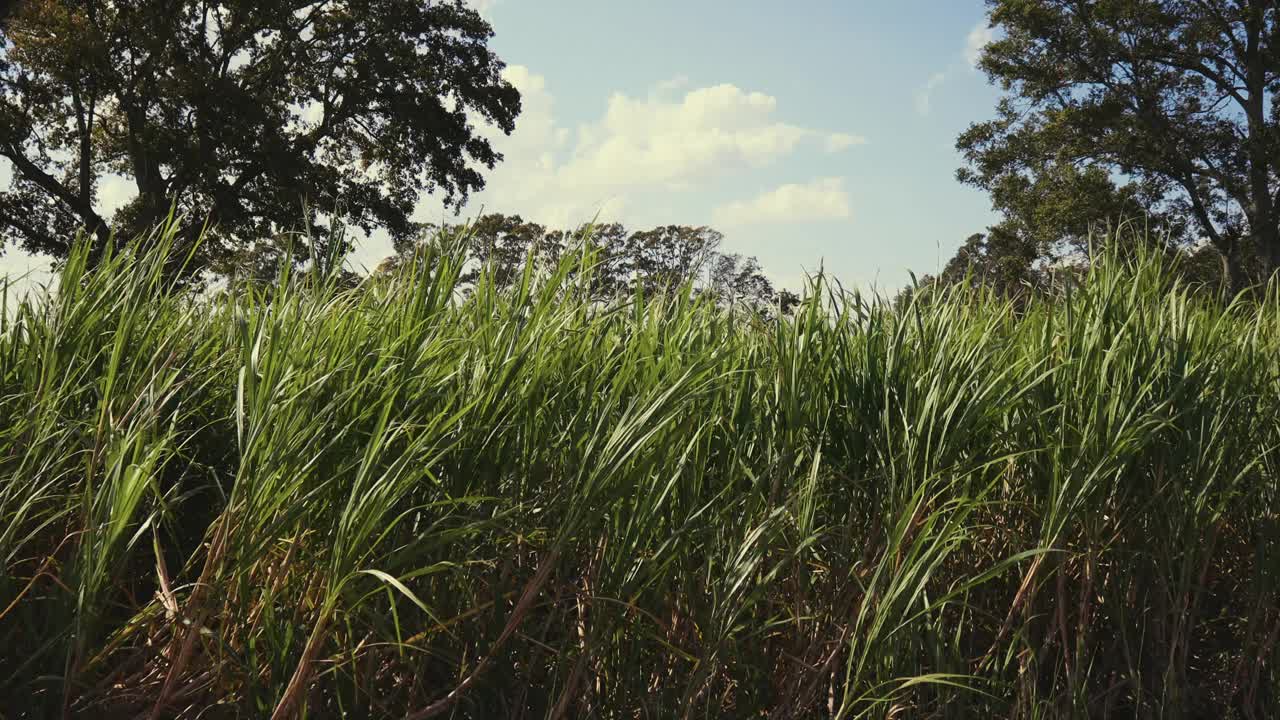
1130,107
240,114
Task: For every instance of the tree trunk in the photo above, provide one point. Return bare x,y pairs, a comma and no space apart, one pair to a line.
1268,249
146,173
1235,279
1262,214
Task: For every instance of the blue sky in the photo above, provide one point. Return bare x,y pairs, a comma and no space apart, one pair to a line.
810,133
815,132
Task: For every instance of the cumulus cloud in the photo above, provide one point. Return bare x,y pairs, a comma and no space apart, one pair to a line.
822,199
665,87
529,178
21,273
484,7
114,192
923,94
979,37
707,132
671,138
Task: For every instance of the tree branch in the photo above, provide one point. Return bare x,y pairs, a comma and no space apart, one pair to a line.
92,221
1224,29
1202,213
37,237
83,127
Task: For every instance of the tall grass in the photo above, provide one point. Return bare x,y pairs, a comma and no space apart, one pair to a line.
403,500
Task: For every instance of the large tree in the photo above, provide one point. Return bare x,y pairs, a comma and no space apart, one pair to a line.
1127,107
666,256
241,114
504,244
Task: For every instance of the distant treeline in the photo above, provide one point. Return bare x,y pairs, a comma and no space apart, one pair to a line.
653,261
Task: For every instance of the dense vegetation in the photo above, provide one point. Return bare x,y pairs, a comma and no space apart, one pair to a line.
403,501
242,114
1165,111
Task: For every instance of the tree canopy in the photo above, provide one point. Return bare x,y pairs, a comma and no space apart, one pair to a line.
239,114
1162,109
653,261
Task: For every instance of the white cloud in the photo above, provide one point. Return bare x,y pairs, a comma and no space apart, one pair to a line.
484,7
672,138
708,132
311,113
114,192
979,37
529,180
678,82
923,95
23,273
822,199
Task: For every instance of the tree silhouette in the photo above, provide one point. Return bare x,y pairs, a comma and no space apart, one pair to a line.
239,114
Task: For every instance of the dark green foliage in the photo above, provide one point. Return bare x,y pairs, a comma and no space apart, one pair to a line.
1000,259
662,258
1162,112
505,243
240,114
